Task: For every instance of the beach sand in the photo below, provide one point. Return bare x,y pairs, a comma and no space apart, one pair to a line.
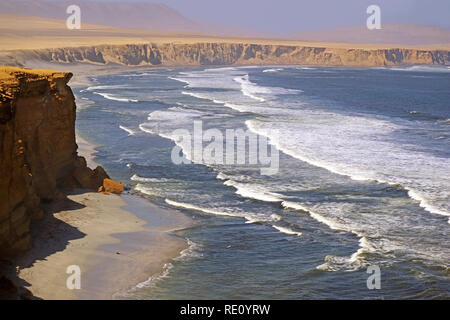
117,242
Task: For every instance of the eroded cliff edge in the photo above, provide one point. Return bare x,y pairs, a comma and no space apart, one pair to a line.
38,158
195,54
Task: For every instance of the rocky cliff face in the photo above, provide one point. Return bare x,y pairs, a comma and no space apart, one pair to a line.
38,155
237,54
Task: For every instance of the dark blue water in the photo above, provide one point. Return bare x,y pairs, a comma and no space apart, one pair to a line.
362,180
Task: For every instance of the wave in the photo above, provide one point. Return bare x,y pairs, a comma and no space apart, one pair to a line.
238,107
180,80
203,97
83,103
192,251
332,224
120,86
195,95
251,218
146,190
130,132
220,69
422,68
187,152
250,89
350,264
334,263
287,230
136,74
204,210
151,282
352,171
254,91
273,70
115,98
424,203
253,192
138,178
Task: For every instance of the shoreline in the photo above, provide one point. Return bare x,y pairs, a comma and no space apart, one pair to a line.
117,242
114,248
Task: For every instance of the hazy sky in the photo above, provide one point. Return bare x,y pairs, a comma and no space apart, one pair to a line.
298,15
294,15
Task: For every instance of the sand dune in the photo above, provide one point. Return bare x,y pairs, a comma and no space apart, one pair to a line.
405,34
19,32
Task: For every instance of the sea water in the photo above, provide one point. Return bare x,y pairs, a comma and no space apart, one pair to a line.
363,179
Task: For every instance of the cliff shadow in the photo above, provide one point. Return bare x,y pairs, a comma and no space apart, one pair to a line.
48,236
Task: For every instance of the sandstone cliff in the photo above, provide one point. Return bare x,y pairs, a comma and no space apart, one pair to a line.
222,53
38,155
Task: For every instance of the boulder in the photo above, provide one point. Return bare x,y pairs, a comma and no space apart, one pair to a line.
111,186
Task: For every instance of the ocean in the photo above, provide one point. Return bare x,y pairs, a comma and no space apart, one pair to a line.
363,177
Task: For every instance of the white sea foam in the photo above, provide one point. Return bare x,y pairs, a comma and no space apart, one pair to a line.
251,218
138,178
180,80
192,251
220,69
195,95
287,230
424,203
423,68
151,282
353,263
239,107
256,192
121,86
83,103
273,70
350,151
147,190
197,208
250,89
332,224
130,132
115,98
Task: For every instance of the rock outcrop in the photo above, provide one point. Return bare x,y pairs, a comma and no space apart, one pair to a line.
38,158
111,186
222,53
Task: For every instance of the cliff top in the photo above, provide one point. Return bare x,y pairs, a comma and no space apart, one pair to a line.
16,81
11,75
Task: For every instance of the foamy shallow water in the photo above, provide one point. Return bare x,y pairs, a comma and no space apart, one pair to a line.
363,180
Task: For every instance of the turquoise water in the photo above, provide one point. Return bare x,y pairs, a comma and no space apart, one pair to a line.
363,178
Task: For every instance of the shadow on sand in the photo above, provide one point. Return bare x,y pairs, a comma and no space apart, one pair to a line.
48,236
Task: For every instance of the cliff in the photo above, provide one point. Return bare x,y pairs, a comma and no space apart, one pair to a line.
223,53
38,158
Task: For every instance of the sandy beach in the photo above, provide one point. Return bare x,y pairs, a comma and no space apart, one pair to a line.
116,241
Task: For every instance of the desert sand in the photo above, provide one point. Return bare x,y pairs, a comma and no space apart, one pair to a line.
26,33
